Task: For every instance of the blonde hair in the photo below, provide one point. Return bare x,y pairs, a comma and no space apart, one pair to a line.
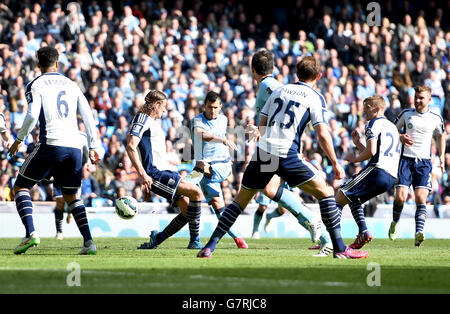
152,98
422,88
376,100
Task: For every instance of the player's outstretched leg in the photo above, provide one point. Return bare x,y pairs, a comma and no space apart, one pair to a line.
330,216
364,235
240,242
396,213
420,216
227,219
304,215
59,216
79,214
193,216
277,212
257,220
24,207
156,238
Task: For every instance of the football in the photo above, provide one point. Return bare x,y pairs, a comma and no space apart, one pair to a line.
126,207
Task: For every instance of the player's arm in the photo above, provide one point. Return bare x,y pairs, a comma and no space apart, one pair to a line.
132,144
91,130
399,122
326,143
441,144
34,108
367,151
208,137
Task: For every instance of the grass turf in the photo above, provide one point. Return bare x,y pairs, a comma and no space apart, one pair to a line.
270,266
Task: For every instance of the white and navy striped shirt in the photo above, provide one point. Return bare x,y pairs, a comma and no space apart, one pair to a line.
54,100
152,146
288,110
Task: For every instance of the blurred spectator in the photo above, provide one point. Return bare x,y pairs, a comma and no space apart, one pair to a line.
89,186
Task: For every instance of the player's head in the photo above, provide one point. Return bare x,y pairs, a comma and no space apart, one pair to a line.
212,105
262,62
308,69
155,104
47,58
422,97
374,106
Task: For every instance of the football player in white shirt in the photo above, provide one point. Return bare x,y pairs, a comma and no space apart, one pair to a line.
55,101
382,149
146,147
285,115
418,126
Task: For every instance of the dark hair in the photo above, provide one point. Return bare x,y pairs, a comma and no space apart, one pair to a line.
47,56
308,69
262,62
211,97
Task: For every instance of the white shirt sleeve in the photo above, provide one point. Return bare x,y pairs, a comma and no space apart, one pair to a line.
318,112
34,109
89,122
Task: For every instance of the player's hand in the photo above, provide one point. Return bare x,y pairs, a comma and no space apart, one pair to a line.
146,182
355,136
14,148
406,139
253,133
94,156
349,157
339,172
230,144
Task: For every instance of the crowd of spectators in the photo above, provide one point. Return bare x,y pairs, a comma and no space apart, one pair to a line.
116,53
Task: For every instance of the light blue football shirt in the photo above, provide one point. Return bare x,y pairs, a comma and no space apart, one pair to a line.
210,151
265,89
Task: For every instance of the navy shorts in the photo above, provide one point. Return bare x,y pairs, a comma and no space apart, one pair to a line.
368,183
165,183
57,191
293,170
63,163
415,172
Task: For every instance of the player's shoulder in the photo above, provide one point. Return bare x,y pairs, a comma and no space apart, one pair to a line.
436,116
141,118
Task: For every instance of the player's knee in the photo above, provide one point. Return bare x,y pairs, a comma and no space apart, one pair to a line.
270,191
196,194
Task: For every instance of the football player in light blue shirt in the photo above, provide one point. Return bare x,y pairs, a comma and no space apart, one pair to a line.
212,150
262,68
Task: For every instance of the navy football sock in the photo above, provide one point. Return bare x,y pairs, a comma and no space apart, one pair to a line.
173,227
358,215
79,214
218,214
397,211
227,219
193,216
257,220
421,215
25,209
332,221
59,216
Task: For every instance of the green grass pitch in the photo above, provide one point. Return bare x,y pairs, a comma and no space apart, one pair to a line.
270,266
